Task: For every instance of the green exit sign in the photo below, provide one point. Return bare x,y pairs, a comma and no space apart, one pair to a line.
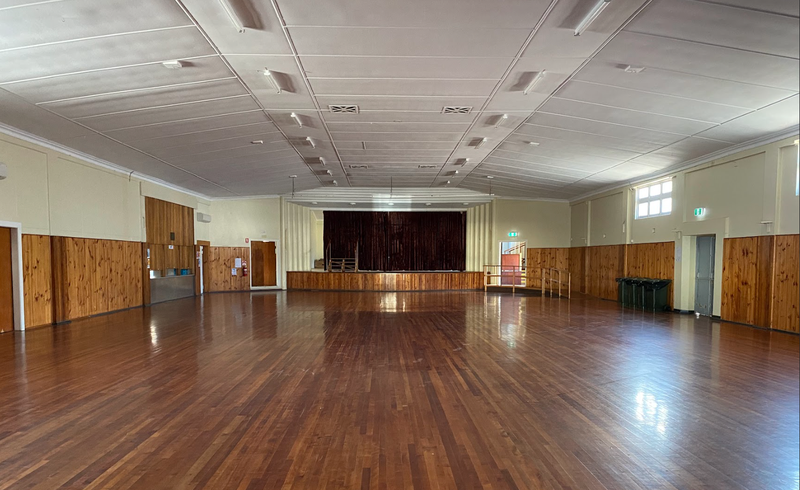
699,211
513,234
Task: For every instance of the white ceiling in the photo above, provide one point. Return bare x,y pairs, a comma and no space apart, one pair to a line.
87,74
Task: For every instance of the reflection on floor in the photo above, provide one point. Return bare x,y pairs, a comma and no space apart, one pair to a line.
390,391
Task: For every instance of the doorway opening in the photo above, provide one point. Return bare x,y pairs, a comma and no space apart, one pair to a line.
512,263
264,266
704,275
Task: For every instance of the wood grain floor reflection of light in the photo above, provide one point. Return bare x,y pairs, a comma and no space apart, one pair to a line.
311,390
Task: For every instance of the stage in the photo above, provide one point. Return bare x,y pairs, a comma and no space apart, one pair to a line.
384,281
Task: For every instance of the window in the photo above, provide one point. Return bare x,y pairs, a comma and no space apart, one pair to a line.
654,200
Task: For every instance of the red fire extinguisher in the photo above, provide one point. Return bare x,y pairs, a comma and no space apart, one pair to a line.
244,268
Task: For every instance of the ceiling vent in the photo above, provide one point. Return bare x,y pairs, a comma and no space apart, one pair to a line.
343,109
456,109
359,166
427,166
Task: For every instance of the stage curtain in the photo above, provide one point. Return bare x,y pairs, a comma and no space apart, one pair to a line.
434,241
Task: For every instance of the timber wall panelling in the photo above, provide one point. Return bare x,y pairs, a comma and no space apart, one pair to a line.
94,276
376,281
654,260
163,218
37,280
219,264
786,292
544,258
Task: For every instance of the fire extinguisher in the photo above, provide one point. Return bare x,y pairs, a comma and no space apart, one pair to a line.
244,268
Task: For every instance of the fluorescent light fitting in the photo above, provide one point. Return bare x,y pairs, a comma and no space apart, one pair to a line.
634,69
232,15
428,203
591,16
466,204
501,120
272,81
257,142
481,143
314,202
311,142
534,143
490,176
322,161
173,64
455,172
292,176
297,119
329,173
335,183
538,78
447,183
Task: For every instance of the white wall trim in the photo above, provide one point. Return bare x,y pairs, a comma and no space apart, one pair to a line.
16,273
748,145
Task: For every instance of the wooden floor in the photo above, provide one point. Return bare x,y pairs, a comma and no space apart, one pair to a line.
463,390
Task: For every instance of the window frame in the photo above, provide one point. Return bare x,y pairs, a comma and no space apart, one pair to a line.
649,199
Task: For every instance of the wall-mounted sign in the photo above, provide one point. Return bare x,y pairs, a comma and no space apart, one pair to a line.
699,211
233,271
513,234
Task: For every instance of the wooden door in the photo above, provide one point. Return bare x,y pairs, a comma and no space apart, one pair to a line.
6,282
263,264
510,274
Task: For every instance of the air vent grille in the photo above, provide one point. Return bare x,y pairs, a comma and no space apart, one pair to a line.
427,166
455,109
343,109
359,166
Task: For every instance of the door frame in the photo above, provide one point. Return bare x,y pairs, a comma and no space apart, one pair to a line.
278,274
713,260
16,273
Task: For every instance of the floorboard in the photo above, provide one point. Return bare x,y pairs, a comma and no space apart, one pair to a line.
453,390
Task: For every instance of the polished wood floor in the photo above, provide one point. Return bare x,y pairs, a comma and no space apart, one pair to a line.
457,390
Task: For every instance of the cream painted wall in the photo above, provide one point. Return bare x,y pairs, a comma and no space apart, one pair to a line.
298,224
579,216
233,221
480,236
23,195
788,219
607,219
539,223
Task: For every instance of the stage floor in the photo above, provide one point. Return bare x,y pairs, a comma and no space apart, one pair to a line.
316,390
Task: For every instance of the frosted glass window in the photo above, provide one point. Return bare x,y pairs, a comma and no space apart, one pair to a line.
654,200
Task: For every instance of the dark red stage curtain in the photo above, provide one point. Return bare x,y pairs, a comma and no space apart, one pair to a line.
399,241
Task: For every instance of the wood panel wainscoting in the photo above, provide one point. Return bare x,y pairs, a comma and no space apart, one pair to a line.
655,260
37,274
604,264
544,258
384,281
760,281
94,276
220,262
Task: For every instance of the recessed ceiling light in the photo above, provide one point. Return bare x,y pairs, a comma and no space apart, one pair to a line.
591,16
538,78
272,81
329,173
257,142
335,183
501,120
447,183
634,69
296,119
173,64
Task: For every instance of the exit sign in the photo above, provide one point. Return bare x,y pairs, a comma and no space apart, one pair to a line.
513,234
699,211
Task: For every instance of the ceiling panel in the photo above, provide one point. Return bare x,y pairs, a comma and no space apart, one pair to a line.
493,43
382,127
786,7
776,117
399,147
630,48
404,67
648,102
604,113
167,130
272,139
712,23
535,133
402,87
399,116
655,80
181,112
143,99
63,21
137,77
294,94
604,129
106,52
392,104
198,138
